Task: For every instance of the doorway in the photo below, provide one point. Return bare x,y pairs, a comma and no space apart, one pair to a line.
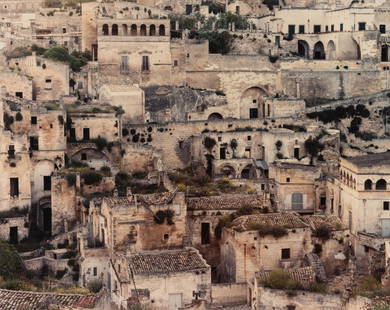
13,235
47,220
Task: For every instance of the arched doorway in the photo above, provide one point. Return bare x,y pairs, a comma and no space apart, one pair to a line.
215,116
105,30
252,103
143,30
331,50
114,30
124,30
152,30
161,30
133,30
303,49
319,51
248,172
228,172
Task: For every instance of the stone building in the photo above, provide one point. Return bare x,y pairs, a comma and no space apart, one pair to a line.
163,280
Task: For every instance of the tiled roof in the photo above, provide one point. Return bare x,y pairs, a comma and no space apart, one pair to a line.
316,221
287,220
21,300
156,198
166,262
225,202
371,160
303,275
118,201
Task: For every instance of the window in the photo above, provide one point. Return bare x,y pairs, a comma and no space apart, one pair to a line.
14,187
381,185
366,249
382,28
166,237
19,94
95,271
34,146
297,201
85,133
205,233
34,120
254,113
322,201
175,63
291,30
326,28
254,101
145,63
48,83
288,180
11,152
249,138
63,30
73,134
124,64
83,156
332,28
362,26
301,28
222,153
285,253
291,307
296,152
368,185
317,28
386,206
105,30
47,183
341,27
237,10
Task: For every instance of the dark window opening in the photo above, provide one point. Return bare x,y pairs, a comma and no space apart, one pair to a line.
95,271
249,138
166,236
285,253
47,183
317,28
47,220
362,26
205,233
288,180
145,63
11,152
341,27
301,28
332,28
34,146
188,9
14,187
83,156
382,28
296,152
175,63
222,153
86,134
34,120
13,235
73,134
291,31
385,53
290,307
254,113
322,202
114,30
386,206
19,94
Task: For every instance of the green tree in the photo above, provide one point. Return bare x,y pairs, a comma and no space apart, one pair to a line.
11,264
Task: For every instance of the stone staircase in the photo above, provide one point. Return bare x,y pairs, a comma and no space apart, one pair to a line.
314,261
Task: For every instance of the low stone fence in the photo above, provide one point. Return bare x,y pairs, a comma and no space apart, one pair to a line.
228,293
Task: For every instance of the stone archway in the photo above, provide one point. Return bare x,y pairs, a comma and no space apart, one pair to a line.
228,171
215,116
319,51
303,49
252,103
331,50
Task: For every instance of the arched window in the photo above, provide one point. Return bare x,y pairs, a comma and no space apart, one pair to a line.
303,48
161,30
215,116
152,30
381,185
124,30
133,30
143,30
368,185
105,30
297,201
114,30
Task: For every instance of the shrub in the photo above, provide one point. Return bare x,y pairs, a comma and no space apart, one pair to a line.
106,170
10,262
245,210
100,143
281,280
17,285
224,221
71,179
8,120
323,232
276,231
95,286
162,215
209,143
122,181
91,178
